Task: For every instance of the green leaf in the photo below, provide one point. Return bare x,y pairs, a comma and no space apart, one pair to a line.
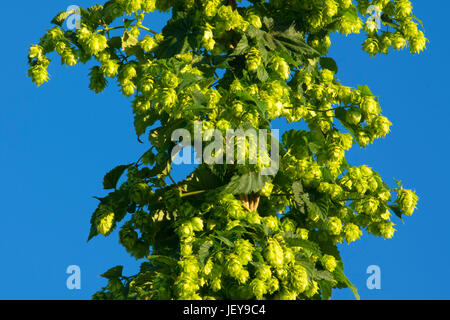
289,41
340,276
203,252
320,208
310,247
113,273
225,240
248,183
61,17
242,47
398,212
328,63
293,42
324,275
143,278
260,106
365,91
262,74
326,288
161,137
188,80
199,98
297,189
323,204
111,178
177,36
202,179
163,260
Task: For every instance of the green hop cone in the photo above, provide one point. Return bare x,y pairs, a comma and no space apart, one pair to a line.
327,76
407,201
281,67
352,232
208,39
110,68
36,51
398,41
255,21
140,193
197,224
253,59
334,225
329,262
353,116
97,80
148,5
105,223
38,74
147,43
274,253
387,229
299,278
259,288
371,46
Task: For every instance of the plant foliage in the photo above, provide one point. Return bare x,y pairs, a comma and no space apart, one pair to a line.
227,232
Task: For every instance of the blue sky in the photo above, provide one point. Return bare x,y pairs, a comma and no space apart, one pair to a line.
56,143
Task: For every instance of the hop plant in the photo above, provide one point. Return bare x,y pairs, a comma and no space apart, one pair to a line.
227,231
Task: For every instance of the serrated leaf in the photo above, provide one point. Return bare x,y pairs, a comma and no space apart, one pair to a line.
324,275
203,252
308,246
320,208
326,289
112,177
297,189
225,240
177,36
314,147
202,179
262,74
365,91
397,211
143,278
199,98
113,273
328,63
165,260
260,106
340,276
242,47
188,80
323,204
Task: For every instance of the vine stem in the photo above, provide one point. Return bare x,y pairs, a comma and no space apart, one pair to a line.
193,193
147,29
107,29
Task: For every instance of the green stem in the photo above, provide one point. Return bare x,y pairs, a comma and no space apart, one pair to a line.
147,29
107,29
193,193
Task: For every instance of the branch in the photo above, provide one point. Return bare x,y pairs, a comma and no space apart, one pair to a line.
107,29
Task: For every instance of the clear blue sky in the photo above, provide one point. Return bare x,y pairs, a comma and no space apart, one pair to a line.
56,143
